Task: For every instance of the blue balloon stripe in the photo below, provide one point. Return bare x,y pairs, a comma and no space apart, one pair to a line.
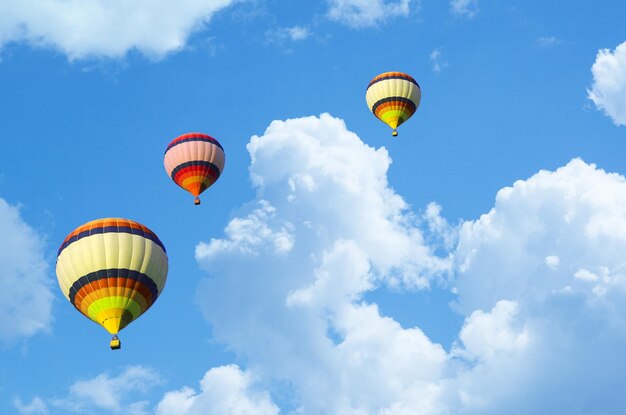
385,78
206,139
111,229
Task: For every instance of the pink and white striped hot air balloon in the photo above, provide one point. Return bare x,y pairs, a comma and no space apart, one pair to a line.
194,161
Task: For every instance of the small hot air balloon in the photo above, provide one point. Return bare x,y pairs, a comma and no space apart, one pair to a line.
393,97
112,270
194,161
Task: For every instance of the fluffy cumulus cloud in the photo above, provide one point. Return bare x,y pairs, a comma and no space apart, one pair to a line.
105,28
464,8
608,91
25,287
110,394
539,280
288,279
550,253
555,232
367,13
223,390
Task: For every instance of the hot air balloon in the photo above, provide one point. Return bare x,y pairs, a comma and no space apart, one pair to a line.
194,161
393,97
112,270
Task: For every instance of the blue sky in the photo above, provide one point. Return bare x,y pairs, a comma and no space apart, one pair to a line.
473,265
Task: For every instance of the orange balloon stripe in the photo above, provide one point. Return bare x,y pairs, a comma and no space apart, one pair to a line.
91,288
404,106
208,177
96,295
195,177
124,287
102,223
195,185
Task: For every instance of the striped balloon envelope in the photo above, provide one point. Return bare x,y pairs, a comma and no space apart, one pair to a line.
112,270
393,97
194,161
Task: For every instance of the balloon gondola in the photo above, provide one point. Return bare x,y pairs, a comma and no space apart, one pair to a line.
115,343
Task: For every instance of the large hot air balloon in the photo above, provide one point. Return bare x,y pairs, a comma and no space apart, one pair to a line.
194,161
393,97
112,270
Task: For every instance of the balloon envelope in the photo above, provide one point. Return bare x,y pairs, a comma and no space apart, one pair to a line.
194,161
112,270
393,97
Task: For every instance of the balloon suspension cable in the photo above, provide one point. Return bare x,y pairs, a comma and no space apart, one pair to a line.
394,133
115,343
196,201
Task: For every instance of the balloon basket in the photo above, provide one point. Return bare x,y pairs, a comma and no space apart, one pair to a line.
115,343
196,201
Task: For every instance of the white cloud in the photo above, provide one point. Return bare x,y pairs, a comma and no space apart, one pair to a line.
464,8
608,91
116,395
548,41
223,390
576,213
552,261
555,327
36,406
25,287
485,335
298,316
437,60
585,275
539,278
287,34
258,231
105,28
298,32
304,170
367,13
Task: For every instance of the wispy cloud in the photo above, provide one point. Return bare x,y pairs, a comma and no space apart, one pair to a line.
106,29
464,8
368,13
548,41
35,407
436,58
282,35
608,91
25,284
